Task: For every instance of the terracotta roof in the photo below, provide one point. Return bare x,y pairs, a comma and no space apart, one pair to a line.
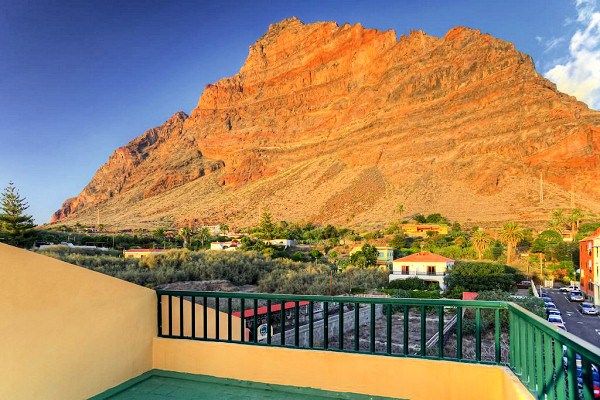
424,256
469,295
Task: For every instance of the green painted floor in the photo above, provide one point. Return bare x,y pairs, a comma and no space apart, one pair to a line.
165,385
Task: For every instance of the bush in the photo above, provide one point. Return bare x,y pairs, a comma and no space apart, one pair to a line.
413,283
481,276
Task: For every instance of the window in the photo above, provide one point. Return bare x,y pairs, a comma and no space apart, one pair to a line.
405,270
431,270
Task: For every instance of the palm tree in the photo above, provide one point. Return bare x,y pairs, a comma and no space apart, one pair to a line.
556,225
203,235
186,233
481,242
510,235
575,219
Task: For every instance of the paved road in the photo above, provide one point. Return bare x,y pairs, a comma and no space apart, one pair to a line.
585,326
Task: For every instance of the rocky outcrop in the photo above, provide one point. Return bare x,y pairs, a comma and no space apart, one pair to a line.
361,120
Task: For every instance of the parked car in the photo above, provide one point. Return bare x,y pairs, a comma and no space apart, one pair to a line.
544,296
547,299
576,296
595,374
568,289
553,311
550,306
561,326
555,319
588,309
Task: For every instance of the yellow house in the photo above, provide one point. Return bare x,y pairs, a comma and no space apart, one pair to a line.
141,253
385,255
424,265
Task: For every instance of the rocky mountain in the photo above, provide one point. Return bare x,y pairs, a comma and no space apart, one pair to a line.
341,123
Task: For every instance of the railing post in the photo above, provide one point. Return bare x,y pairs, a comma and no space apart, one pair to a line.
356,325
477,334
159,314
459,332
372,329
405,337
170,315
325,325
229,310
441,332
269,321
341,326
311,324
572,374
180,316
559,370
243,320
193,319
497,327
388,341
423,332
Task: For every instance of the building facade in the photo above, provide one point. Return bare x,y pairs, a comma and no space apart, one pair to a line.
589,265
424,265
385,255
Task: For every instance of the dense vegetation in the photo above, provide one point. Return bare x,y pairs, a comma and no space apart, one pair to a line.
272,275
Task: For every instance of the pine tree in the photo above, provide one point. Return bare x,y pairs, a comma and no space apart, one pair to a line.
14,224
267,228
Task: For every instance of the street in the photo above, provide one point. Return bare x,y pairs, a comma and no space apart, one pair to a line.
586,327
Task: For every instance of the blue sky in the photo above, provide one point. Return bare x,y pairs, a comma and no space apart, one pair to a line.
80,78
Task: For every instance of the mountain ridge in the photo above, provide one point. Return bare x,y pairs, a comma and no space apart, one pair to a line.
418,120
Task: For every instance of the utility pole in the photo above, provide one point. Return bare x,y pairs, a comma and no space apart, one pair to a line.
541,188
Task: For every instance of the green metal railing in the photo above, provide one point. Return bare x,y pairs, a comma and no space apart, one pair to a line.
551,363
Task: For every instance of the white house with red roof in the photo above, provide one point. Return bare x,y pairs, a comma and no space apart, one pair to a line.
423,265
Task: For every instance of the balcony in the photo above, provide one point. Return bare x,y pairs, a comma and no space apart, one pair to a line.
418,273
69,333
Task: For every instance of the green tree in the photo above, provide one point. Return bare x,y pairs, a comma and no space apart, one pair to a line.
315,254
398,241
203,235
575,218
14,223
158,234
365,257
224,228
510,235
185,233
481,242
267,228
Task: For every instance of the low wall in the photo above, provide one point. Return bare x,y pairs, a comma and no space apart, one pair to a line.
199,320
375,375
67,332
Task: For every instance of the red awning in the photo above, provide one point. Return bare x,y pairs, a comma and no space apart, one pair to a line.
263,310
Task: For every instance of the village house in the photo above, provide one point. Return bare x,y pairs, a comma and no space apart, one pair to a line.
385,255
420,230
423,265
225,246
283,242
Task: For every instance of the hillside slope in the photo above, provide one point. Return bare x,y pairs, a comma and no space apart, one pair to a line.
341,123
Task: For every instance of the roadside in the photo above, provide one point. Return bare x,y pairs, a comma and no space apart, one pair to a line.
586,327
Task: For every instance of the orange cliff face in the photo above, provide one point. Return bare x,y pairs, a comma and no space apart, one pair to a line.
342,123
